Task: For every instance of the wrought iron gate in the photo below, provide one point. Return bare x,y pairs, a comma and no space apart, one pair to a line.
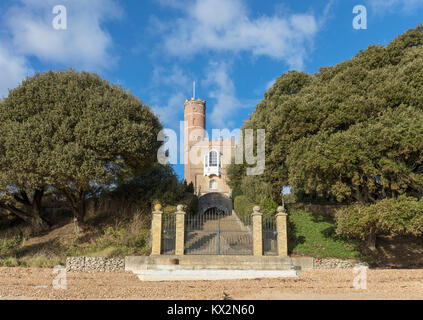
168,235
270,236
217,233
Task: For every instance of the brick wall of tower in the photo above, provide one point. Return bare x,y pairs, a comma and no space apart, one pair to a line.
195,124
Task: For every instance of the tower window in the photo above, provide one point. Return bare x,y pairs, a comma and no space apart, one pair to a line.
213,159
213,163
213,185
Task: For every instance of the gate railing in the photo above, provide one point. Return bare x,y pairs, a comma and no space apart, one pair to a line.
168,234
270,236
216,233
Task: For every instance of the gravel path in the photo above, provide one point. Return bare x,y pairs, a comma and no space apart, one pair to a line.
18,283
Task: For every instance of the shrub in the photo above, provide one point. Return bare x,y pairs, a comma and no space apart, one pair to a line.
7,246
243,206
11,262
391,217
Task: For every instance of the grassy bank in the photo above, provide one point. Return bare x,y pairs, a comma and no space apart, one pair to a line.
124,232
314,235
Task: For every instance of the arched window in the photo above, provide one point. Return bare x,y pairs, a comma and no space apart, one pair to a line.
213,185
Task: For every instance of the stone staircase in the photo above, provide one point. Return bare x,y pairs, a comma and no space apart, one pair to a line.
209,267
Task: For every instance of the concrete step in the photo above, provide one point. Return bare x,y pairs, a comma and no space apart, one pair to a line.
212,262
211,275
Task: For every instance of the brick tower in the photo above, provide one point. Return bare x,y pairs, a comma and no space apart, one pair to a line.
206,161
194,131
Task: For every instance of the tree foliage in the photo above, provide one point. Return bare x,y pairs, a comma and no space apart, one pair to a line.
159,183
352,132
391,217
75,132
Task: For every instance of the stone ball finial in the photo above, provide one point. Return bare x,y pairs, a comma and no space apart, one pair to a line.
158,207
256,209
282,210
180,207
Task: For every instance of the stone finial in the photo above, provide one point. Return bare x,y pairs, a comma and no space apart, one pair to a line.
158,208
180,209
281,210
256,210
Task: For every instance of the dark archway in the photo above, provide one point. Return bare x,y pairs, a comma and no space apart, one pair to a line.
214,211
217,201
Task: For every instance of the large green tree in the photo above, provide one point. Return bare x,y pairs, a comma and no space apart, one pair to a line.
370,161
352,131
75,132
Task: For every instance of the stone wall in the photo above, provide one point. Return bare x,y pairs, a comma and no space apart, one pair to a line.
306,263
93,264
335,264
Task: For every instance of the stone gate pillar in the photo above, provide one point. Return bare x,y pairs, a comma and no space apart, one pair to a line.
180,231
257,232
156,230
281,228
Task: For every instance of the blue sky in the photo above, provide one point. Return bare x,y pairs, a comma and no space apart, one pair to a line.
234,49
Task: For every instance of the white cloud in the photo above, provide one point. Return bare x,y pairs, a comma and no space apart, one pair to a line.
168,90
85,43
171,113
174,77
404,6
171,86
222,90
13,69
226,26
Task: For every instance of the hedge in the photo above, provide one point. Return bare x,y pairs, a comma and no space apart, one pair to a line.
243,206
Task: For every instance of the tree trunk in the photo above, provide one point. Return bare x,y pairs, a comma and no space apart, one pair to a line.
38,221
32,212
39,224
80,213
371,241
78,207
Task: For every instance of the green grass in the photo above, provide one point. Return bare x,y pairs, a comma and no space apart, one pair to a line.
314,235
114,243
